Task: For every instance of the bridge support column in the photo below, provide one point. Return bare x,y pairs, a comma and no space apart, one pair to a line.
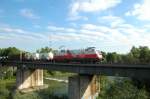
29,78
83,87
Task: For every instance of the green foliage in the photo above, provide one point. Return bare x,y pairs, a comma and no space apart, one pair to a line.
10,51
7,91
44,50
135,52
32,95
122,89
129,59
144,56
4,93
44,94
7,72
113,58
139,55
5,88
49,93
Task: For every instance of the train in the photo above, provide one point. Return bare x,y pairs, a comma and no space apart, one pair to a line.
87,55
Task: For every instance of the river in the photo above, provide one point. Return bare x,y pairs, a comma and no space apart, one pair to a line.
57,86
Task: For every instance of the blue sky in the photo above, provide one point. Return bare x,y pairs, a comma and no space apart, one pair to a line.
109,25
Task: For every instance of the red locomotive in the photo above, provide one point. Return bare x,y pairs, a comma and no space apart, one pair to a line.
87,55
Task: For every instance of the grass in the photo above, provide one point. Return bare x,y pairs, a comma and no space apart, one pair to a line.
56,90
6,86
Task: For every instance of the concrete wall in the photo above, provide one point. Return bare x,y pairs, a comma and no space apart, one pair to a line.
83,87
29,78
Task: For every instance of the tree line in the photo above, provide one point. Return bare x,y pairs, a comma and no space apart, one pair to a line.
10,51
137,55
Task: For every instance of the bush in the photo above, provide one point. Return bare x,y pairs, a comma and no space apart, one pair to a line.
123,89
31,95
4,93
43,94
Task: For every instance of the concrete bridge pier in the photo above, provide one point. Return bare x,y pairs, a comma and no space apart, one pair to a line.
83,87
29,78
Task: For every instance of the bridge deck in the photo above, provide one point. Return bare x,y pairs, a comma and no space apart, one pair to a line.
125,70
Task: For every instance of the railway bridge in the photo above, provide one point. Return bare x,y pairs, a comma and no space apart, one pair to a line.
82,86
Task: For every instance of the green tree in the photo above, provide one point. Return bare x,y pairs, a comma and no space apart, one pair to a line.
135,52
111,57
104,57
144,54
130,59
10,51
123,88
44,50
7,72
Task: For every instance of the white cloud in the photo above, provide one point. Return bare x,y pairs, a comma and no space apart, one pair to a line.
98,35
3,37
54,28
90,6
89,26
77,17
147,26
8,31
140,10
28,13
113,21
95,27
60,29
121,33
